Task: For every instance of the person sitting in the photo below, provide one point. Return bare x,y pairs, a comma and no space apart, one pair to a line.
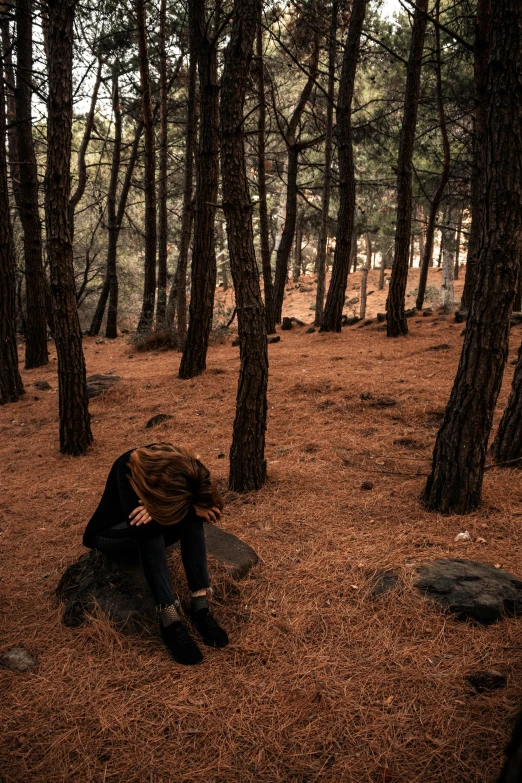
154,496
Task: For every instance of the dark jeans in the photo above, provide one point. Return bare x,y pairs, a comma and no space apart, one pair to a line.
153,556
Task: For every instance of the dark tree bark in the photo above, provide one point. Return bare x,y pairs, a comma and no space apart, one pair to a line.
12,140
149,285
36,353
457,242
11,387
247,453
333,309
264,232
396,324
293,150
483,21
327,182
455,482
75,431
82,151
161,306
507,446
203,279
114,232
444,177
178,292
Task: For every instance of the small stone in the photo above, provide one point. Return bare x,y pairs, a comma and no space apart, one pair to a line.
465,536
235,342
410,313
487,680
367,485
18,660
383,582
427,311
381,317
366,395
36,397
275,339
99,341
441,347
287,324
310,330
42,385
159,418
461,316
98,384
384,402
130,356
221,455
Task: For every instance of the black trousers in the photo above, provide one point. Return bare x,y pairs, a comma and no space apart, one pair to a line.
153,556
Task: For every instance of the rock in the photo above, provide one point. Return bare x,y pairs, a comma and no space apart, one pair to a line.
384,402
287,324
119,587
365,323
381,328
472,589
465,536
296,321
461,316
18,660
367,485
42,385
345,321
410,313
236,342
381,317
310,330
352,301
383,582
159,418
36,397
427,311
441,347
408,443
366,395
487,680
98,384
99,341
221,455
275,339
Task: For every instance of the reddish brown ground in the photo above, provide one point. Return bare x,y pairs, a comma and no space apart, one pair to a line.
320,683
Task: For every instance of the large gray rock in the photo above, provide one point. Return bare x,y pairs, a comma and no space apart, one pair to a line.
18,660
97,384
471,589
119,587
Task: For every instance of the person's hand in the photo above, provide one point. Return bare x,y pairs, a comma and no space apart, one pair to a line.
209,514
140,515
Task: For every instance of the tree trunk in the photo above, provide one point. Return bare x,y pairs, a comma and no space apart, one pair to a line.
381,273
457,243
247,453
264,239
333,310
507,446
396,324
327,182
149,285
35,282
293,150
112,220
161,306
412,249
482,30
455,482
114,235
364,275
11,387
12,140
203,273
178,292
297,249
75,431
447,288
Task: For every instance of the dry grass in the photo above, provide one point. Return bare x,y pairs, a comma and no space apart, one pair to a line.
320,683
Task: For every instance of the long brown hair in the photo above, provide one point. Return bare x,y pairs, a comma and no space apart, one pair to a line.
169,480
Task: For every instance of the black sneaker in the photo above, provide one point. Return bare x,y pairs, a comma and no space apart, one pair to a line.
208,628
182,647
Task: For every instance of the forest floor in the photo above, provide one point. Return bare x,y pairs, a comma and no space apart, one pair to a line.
320,682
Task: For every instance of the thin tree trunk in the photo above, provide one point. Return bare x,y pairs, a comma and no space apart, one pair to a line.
12,141
396,324
114,235
327,182
112,218
333,310
178,292
293,150
364,275
455,482
412,249
161,305
36,354
264,239
457,248
203,273
381,273
149,285
444,177
483,21
82,164
11,387
297,250
75,431
247,453
507,446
